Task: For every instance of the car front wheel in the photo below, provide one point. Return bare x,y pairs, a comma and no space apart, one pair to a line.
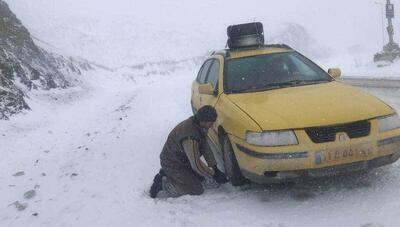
231,165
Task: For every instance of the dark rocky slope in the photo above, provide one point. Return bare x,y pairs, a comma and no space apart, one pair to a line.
25,66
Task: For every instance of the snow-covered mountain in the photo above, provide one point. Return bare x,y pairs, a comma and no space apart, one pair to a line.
25,66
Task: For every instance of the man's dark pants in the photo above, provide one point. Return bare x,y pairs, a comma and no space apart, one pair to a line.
182,181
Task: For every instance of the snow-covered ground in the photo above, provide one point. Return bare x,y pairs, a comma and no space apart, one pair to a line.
90,152
91,158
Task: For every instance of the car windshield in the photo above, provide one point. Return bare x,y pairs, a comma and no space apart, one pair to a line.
271,71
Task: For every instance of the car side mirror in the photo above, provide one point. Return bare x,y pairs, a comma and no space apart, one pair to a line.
335,72
206,89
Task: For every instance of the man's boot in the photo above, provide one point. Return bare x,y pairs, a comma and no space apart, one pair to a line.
157,184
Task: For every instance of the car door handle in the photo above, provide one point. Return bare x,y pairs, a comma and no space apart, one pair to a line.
201,99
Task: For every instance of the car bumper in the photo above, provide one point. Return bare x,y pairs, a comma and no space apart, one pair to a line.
284,176
280,164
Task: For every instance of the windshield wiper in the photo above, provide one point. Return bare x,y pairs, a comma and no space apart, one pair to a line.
262,87
305,82
278,85
271,86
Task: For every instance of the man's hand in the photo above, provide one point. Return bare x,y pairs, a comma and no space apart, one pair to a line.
219,176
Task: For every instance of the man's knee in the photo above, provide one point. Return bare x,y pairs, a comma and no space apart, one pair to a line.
175,189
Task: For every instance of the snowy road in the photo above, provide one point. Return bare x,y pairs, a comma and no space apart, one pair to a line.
91,158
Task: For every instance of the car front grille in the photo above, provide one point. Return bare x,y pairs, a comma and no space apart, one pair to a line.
328,134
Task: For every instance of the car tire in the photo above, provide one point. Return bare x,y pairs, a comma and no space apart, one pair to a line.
231,165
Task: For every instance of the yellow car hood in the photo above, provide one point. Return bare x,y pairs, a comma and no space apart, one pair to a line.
309,106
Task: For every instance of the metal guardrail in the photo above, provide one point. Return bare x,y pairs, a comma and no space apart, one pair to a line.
372,82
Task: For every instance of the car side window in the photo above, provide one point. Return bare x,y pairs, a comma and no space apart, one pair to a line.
213,75
201,78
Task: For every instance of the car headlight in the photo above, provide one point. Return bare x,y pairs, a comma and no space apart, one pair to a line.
388,123
272,138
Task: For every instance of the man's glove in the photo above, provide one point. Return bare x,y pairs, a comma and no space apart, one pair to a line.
219,176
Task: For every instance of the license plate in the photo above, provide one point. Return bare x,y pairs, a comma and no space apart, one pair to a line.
360,152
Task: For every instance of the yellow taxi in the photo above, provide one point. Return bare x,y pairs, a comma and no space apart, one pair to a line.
282,117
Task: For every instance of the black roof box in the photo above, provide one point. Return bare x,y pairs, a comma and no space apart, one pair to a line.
245,35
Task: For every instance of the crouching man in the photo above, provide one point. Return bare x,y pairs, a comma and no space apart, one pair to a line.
182,171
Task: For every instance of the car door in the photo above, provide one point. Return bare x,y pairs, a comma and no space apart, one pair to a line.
212,78
201,79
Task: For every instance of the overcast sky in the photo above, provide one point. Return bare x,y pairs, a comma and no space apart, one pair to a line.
126,26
